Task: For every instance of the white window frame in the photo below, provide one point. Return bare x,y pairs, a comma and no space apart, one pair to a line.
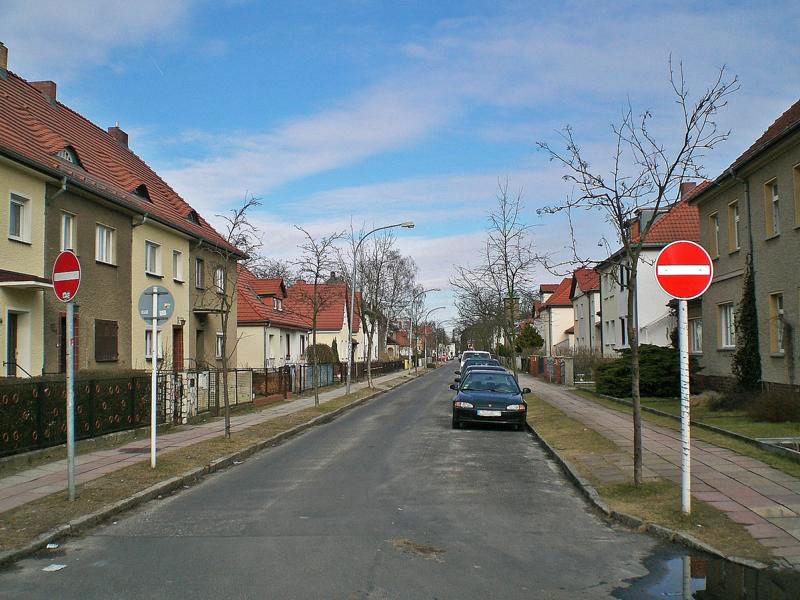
779,317
736,222
24,218
715,225
177,265
727,325
104,240
152,269
68,244
148,343
775,207
218,345
199,273
696,336
219,280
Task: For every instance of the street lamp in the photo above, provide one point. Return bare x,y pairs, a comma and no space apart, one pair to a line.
407,225
425,336
411,322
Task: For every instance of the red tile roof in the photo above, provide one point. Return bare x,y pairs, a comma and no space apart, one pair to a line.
253,310
272,286
560,297
682,222
548,288
36,129
587,279
331,316
401,337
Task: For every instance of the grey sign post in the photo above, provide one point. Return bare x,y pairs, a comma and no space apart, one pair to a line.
156,306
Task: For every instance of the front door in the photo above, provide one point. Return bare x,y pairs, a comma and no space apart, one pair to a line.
11,354
177,348
199,354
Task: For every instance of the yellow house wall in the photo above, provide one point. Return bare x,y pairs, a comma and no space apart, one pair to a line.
23,258
168,241
250,347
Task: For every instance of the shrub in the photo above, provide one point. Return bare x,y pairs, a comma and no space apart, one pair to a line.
731,400
775,406
321,352
659,373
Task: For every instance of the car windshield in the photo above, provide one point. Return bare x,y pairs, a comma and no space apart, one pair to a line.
490,382
480,361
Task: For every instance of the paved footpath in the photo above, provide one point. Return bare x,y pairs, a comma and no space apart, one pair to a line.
764,499
43,480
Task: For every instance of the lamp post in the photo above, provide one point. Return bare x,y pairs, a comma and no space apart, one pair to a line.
407,225
425,335
411,323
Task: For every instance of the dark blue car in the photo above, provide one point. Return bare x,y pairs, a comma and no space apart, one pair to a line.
485,396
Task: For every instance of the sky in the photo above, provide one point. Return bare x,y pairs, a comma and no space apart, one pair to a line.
382,112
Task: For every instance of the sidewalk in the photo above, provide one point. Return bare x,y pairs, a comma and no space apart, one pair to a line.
43,480
764,499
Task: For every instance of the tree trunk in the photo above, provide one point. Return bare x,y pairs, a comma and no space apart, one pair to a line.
633,342
369,356
315,364
225,375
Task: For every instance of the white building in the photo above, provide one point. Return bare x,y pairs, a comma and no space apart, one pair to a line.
585,296
556,319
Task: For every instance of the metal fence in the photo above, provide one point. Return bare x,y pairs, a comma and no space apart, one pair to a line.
302,376
33,413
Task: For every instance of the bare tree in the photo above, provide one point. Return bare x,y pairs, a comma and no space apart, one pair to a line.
317,260
269,268
644,173
242,240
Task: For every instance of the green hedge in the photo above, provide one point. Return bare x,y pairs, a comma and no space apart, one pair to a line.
658,369
323,353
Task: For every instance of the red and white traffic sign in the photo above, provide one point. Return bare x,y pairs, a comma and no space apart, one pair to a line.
66,276
684,270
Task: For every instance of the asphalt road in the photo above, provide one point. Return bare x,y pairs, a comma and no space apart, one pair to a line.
387,501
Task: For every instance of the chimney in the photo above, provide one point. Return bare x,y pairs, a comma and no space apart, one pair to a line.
686,187
635,229
120,136
46,89
3,58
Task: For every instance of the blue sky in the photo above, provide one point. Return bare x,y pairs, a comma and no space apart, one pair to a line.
385,112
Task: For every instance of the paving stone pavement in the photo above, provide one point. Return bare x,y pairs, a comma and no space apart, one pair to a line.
42,480
764,499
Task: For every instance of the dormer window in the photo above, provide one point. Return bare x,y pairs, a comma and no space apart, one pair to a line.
277,304
192,216
142,192
68,154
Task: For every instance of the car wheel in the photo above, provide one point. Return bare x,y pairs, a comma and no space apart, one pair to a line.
456,424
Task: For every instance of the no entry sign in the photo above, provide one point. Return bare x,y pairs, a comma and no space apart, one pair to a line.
684,270
66,276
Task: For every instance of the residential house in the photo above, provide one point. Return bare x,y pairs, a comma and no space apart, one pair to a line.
585,297
753,209
269,335
653,317
557,319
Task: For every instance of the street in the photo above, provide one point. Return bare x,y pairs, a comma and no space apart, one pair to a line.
385,502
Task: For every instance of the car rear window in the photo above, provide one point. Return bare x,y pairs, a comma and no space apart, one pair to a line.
490,382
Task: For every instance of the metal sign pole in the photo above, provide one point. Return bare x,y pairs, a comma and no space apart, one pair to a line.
154,379
686,460
70,400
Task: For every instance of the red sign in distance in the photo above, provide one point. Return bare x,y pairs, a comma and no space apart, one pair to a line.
66,276
684,270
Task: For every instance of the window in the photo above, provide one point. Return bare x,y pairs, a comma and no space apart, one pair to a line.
776,323
105,340
713,232
219,280
277,304
696,336
219,344
733,227
104,244
796,173
68,154
152,258
142,192
772,208
727,325
623,331
192,216
177,265
198,273
19,219
623,277
67,231
148,344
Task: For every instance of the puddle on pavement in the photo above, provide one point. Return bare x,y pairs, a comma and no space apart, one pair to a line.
672,573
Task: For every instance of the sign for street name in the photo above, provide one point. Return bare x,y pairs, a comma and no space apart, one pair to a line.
684,270
66,276
165,304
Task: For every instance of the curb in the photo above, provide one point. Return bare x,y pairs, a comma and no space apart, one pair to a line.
162,488
633,522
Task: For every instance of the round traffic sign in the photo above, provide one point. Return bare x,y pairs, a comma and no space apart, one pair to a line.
684,270
66,276
165,303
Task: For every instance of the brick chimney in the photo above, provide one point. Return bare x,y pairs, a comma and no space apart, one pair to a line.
47,89
686,187
635,229
3,57
120,136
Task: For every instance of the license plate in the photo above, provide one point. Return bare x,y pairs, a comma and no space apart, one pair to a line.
489,413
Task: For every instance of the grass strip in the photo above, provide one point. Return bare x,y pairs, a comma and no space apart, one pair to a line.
655,501
25,523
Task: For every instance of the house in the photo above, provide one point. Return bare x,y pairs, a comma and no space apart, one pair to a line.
268,334
652,316
397,344
68,184
585,296
557,318
753,210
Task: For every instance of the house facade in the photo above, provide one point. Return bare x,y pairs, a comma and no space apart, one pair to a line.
753,210
585,297
557,319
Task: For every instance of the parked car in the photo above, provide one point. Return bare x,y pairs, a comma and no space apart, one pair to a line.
474,354
485,396
474,362
463,372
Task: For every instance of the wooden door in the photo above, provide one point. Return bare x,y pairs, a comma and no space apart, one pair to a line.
177,348
11,355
